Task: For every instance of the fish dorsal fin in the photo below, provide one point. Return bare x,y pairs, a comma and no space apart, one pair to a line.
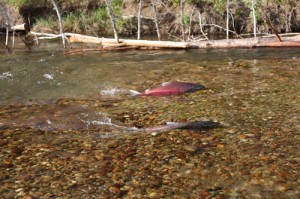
165,83
171,123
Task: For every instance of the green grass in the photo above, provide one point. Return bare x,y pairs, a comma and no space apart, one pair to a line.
21,3
46,24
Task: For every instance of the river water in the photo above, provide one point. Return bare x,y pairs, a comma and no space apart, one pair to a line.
253,93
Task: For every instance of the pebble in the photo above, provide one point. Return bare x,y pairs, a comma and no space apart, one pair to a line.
190,148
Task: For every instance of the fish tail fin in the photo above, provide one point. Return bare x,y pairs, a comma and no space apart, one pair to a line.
135,93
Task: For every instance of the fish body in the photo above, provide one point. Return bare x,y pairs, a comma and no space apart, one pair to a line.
173,88
199,125
195,125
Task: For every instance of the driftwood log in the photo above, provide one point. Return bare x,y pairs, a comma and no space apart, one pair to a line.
292,41
127,42
107,44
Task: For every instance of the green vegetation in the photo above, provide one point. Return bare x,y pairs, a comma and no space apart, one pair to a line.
91,16
45,23
79,22
21,3
95,20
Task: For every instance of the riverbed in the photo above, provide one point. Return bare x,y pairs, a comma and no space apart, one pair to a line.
64,123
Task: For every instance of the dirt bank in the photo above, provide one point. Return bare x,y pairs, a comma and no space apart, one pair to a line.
9,16
78,14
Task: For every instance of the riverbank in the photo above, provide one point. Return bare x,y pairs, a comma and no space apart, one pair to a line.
89,17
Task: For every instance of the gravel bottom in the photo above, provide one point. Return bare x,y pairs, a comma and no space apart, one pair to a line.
254,155
258,159
176,164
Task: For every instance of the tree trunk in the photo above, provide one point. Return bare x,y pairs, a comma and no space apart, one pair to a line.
254,18
155,19
112,19
182,2
227,20
6,39
139,20
61,28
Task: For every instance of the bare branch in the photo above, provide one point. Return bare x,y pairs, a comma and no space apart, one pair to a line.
254,18
227,20
155,18
61,29
112,19
139,20
191,20
182,3
200,24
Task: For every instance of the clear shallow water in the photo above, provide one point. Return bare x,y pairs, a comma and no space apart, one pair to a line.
52,75
42,76
75,107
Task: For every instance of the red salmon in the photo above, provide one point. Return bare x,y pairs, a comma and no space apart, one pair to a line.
173,88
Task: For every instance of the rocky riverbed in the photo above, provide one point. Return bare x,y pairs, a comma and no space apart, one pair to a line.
56,146
254,154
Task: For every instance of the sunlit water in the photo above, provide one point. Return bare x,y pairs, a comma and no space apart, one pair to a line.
35,75
42,75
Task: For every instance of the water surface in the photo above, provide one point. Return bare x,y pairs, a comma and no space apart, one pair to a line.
77,105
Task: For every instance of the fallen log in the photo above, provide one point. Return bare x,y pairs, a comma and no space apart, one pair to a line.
127,42
224,43
279,44
293,41
19,27
287,41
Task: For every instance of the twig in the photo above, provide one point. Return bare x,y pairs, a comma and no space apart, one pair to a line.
217,26
61,29
200,24
182,3
51,36
155,18
178,38
191,19
166,7
112,19
227,20
267,20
